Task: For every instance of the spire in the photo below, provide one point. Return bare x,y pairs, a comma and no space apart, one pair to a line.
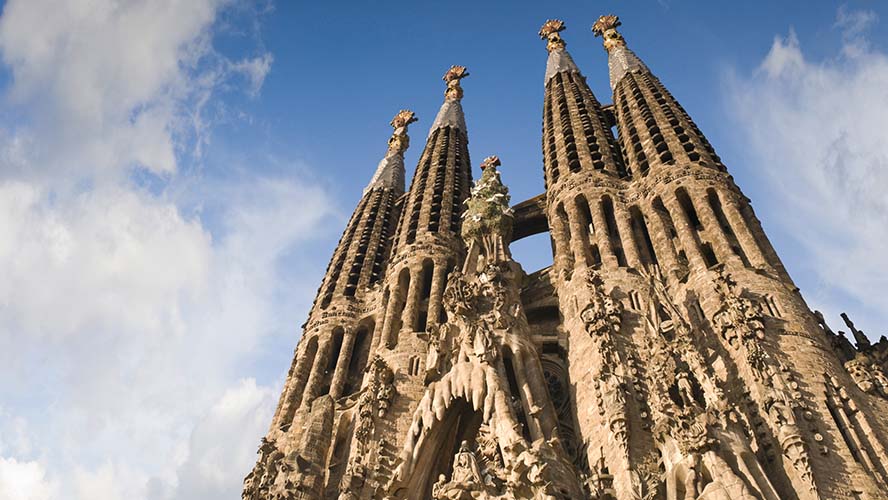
488,216
559,59
451,113
620,59
390,172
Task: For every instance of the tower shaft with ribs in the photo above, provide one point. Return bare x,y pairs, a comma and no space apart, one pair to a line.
666,353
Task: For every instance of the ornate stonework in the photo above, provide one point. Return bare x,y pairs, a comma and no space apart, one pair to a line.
666,353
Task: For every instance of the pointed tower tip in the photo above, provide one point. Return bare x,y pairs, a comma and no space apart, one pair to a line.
620,59
551,33
451,113
559,59
606,27
453,77
490,161
390,171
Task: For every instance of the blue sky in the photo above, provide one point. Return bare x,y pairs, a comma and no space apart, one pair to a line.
175,174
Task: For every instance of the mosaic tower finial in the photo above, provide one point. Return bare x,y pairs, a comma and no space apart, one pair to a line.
606,27
551,33
452,77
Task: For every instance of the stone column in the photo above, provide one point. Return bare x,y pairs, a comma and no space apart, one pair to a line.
537,382
411,307
662,242
439,279
532,407
388,322
685,232
599,222
578,244
744,235
627,236
294,389
345,353
712,228
312,388
561,236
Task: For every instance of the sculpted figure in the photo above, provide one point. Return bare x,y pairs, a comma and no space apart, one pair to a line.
465,467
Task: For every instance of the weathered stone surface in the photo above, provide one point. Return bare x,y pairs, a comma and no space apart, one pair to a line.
666,354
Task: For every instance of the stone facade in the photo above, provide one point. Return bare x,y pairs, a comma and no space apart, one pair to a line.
666,354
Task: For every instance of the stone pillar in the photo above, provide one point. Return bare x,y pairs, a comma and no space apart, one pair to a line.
388,322
345,353
537,382
578,244
685,232
599,222
411,307
312,388
532,407
294,389
439,278
744,235
561,236
627,236
714,230
662,242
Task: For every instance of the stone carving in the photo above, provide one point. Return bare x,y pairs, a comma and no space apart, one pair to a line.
399,140
488,216
868,376
606,27
270,478
603,314
683,395
550,32
452,77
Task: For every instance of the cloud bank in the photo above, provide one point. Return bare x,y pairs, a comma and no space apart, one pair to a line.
138,282
815,132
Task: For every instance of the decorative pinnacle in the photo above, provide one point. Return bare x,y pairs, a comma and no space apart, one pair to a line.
490,161
606,27
452,77
399,141
551,33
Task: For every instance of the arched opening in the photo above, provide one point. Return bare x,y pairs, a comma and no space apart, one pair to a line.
587,230
303,369
642,236
397,300
332,359
715,204
533,252
358,361
428,269
613,233
671,234
440,445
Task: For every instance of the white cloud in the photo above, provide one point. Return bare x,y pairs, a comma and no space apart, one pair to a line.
816,133
136,313
24,481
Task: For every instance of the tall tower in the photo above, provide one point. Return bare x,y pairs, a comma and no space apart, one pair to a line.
666,353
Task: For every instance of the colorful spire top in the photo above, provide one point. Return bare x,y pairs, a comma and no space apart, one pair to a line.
559,59
390,171
451,113
490,161
400,141
550,32
488,216
620,59
606,27
452,77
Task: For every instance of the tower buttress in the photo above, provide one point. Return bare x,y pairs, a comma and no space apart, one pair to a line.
427,244
333,351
